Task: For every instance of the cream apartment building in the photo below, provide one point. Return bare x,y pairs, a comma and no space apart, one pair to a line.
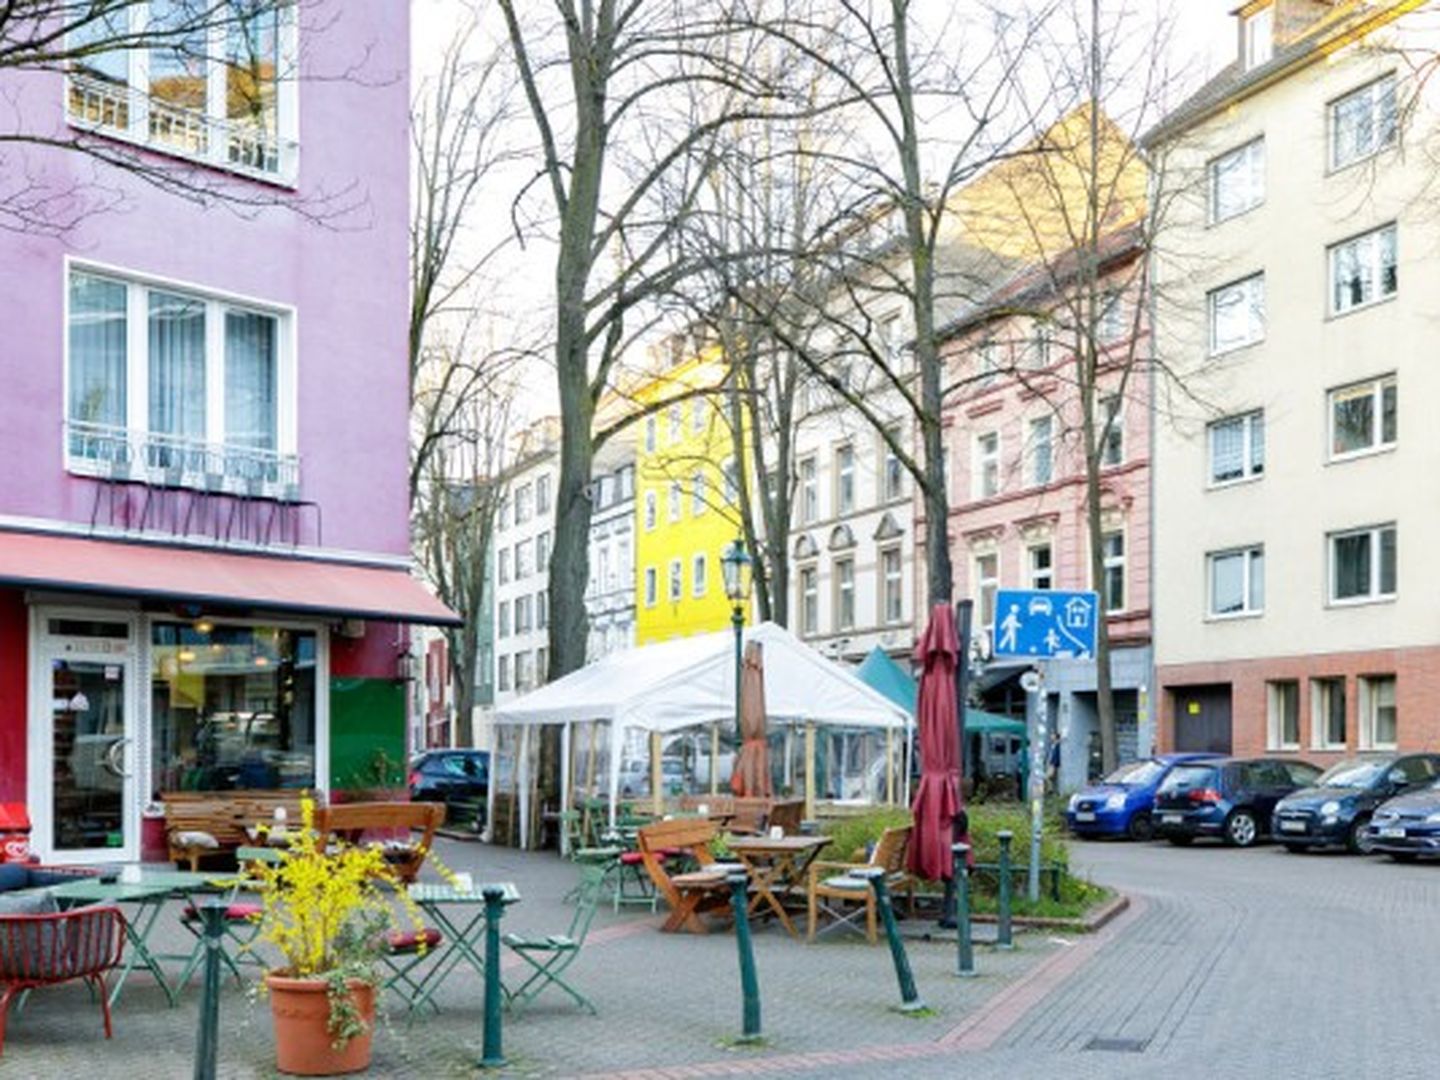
1297,289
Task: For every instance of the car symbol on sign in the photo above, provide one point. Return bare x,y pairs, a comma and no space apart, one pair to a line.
1040,606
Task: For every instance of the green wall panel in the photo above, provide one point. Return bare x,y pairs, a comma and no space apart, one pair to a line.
367,734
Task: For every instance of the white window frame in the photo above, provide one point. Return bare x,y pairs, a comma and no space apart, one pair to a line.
652,434
502,673
1369,711
652,510
890,462
844,591
1320,696
1112,424
1111,324
215,125
1040,577
1252,569
542,495
1249,293
892,584
1376,388
1370,254
845,495
987,587
1111,562
808,470
652,587
699,578
808,584
697,494
1376,539
1035,444
697,416
676,500
985,477
1274,718
677,422
676,590
1259,37
1245,166
1374,90
1252,438
137,360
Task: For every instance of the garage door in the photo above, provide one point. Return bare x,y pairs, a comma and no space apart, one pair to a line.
1202,718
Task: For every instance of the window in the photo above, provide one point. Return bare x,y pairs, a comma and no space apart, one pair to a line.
1112,431
1237,181
524,670
697,494
651,588
809,601
987,465
1362,564
1364,417
1259,37
844,594
231,707
601,580
676,422
987,364
987,584
676,498
1237,448
626,569
542,666
542,496
542,553
502,619
542,610
522,504
503,679
1110,327
650,434
1327,714
1363,122
731,476
503,560
1042,566
215,83
677,580
1237,581
1378,729
697,576
889,336
650,510
522,560
523,624
1042,449
1037,350
194,388
1237,314
893,478
845,480
891,600
809,492
1363,270
1283,698
1113,587
697,416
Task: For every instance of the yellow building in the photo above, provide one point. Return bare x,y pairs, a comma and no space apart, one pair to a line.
685,502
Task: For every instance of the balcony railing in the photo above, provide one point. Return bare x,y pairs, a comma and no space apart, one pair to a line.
121,110
169,461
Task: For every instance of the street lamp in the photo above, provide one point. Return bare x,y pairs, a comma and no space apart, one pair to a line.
735,567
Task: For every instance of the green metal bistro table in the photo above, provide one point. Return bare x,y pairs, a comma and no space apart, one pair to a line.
148,896
463,940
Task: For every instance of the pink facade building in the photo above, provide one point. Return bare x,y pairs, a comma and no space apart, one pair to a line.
1018,497
204,549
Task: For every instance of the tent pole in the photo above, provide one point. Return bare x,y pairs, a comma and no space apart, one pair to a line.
715,759
490,785
890,766
522,782
617,752
567,771
809,770
657,797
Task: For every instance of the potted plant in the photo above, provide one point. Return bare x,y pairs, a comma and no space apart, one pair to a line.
325,912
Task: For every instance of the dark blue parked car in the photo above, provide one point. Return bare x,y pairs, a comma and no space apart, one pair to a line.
1335,812
1232,799
1120,805
1406,827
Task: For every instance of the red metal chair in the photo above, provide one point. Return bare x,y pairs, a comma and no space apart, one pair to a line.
45,950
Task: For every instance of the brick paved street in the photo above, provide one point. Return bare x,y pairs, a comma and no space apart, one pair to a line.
1231,962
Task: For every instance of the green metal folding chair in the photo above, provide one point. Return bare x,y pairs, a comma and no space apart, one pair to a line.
402,952
549,956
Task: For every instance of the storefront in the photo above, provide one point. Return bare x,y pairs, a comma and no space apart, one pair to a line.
123,684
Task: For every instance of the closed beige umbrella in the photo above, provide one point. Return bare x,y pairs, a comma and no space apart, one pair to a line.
752,768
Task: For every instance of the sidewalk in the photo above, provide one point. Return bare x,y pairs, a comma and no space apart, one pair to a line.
669,1004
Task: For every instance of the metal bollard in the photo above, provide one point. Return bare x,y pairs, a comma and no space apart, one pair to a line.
965,944
212,918
1003,938
909,996
492,1054
749,980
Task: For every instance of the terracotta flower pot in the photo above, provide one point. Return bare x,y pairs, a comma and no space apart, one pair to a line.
303,1043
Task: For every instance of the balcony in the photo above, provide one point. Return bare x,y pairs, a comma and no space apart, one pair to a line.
125,455
123,112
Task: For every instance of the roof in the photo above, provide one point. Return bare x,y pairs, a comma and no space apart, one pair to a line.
216,578
880,672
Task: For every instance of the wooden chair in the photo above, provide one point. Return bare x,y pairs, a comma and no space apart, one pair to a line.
751,812
690,894
787,813
348,821
831,881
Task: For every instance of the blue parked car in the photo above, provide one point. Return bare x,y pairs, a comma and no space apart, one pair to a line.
1232,799
1120,805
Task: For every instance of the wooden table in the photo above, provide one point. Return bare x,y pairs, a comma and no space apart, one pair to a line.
776,864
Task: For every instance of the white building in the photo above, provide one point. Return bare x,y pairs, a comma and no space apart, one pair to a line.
610,596
524,530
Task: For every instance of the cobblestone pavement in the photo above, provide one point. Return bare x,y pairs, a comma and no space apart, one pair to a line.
1240,963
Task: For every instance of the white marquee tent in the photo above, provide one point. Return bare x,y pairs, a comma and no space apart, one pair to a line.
691,681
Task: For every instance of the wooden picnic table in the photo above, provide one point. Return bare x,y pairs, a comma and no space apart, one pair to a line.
776,863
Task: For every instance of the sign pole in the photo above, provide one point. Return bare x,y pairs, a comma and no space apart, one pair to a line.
1034,683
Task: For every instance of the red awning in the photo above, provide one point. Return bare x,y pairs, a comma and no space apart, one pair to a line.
189,575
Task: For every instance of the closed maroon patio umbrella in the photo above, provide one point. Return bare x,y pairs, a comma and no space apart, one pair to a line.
752,768
937,798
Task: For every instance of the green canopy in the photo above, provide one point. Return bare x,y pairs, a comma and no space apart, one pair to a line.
880,672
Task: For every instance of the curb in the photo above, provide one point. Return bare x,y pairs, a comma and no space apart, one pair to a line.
1095,920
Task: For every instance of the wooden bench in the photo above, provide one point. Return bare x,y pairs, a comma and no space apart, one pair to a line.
691,894
224,817
349,821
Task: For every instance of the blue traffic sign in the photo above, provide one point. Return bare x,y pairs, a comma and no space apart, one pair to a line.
1040,624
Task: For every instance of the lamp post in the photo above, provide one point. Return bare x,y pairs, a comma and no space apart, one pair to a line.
735,567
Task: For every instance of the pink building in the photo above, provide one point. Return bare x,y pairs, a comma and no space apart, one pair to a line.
204,548
1017,489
